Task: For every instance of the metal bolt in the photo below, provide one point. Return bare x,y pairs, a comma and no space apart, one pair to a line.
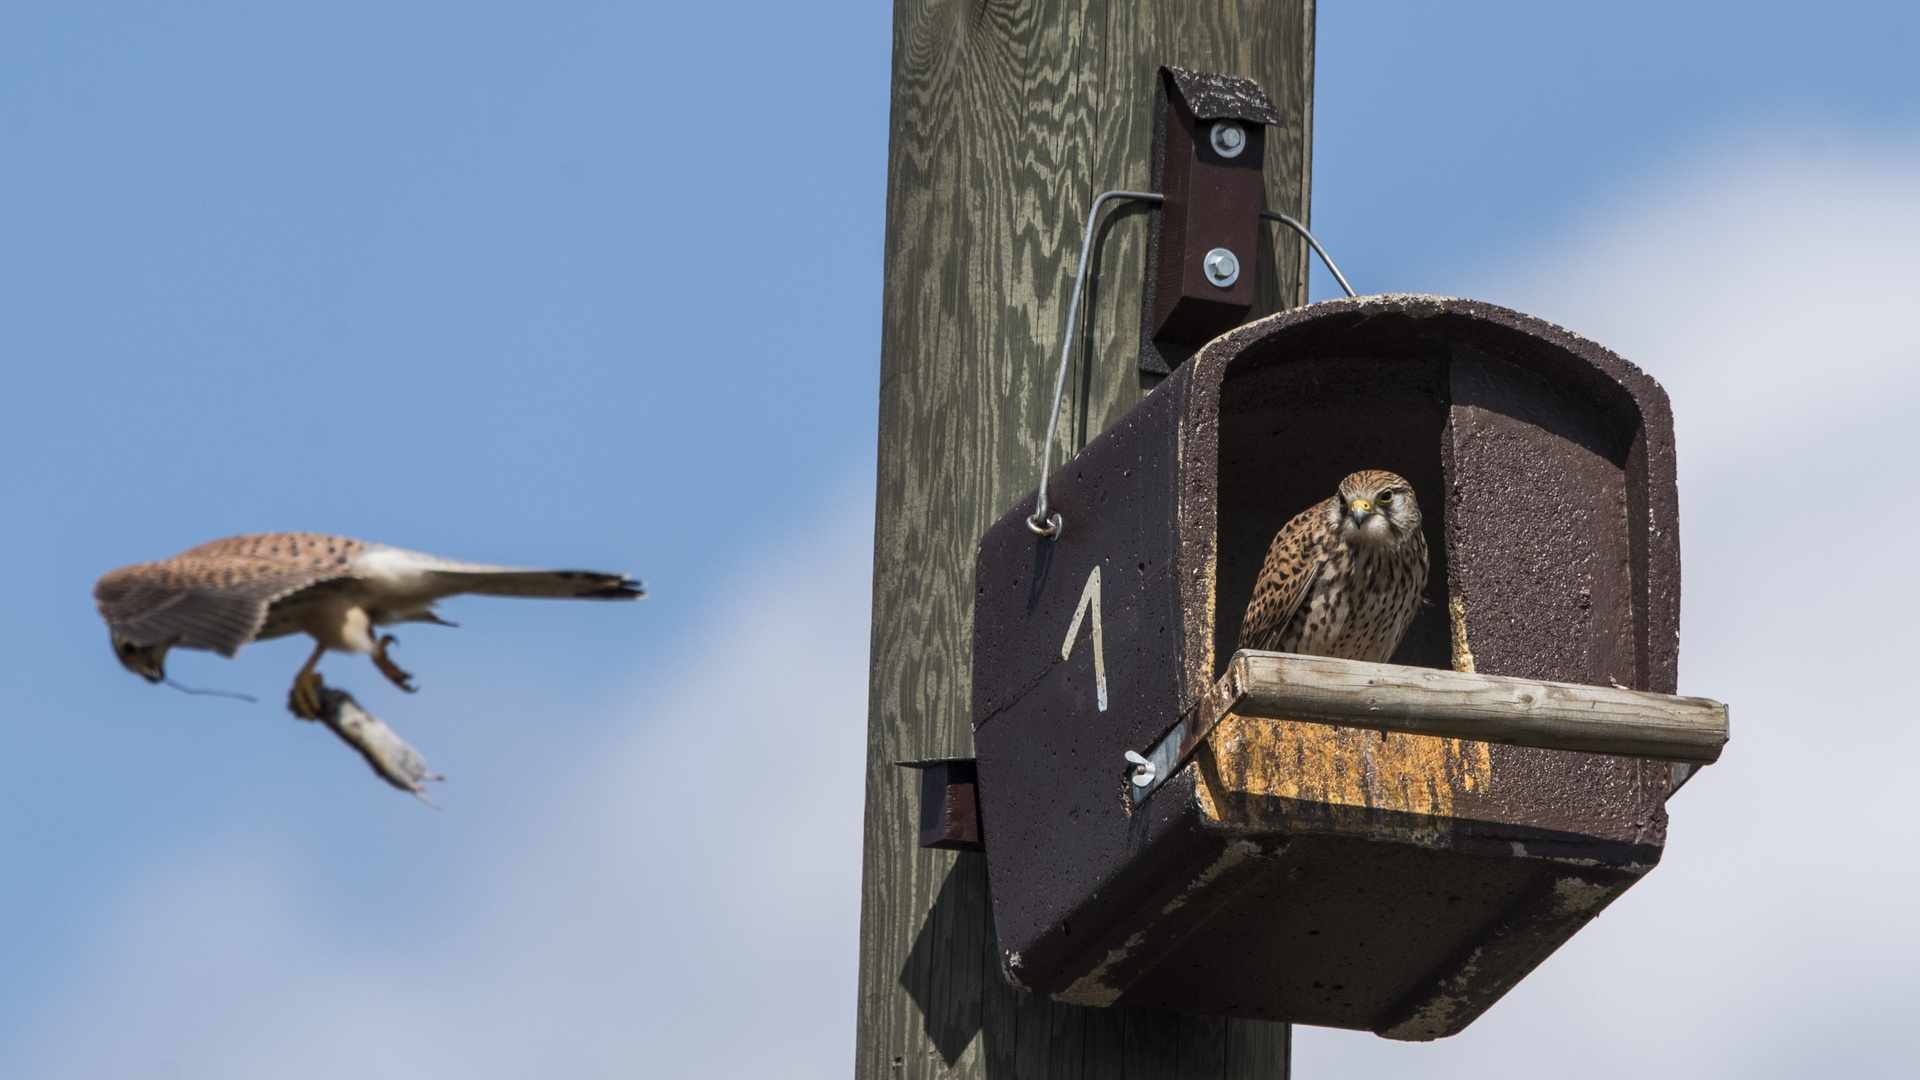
1222,268
1143,770
1228,138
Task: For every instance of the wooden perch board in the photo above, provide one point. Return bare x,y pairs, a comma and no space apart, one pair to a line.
1462,705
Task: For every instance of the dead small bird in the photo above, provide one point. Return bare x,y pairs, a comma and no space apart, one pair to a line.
222,595
1344,577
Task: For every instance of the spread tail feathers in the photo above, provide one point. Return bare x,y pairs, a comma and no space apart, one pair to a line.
575,584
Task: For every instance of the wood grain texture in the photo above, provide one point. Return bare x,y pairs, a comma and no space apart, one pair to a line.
1007,117
1464,705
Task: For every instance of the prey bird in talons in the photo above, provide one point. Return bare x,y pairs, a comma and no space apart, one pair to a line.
1344,577
222,595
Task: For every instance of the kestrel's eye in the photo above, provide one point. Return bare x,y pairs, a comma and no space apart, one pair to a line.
1386,497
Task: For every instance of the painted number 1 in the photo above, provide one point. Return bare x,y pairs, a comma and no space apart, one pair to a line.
1090,600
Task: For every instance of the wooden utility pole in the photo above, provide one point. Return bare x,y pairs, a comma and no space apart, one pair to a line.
1008,117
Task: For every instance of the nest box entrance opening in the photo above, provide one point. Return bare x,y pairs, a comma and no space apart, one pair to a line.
1291,427
1548,512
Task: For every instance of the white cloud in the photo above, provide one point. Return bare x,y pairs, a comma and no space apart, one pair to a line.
1741,284
1775,298
694,876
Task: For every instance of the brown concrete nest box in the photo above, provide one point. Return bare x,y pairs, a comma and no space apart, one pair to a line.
1312,869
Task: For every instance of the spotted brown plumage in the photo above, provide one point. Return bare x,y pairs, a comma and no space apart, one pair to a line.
1344,577
222,595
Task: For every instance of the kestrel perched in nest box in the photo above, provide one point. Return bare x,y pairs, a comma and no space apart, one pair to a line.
1344,577
222,595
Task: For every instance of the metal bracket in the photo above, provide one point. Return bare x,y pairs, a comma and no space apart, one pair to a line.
1682,772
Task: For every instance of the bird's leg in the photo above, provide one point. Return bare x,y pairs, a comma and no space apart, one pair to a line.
304,699
388,668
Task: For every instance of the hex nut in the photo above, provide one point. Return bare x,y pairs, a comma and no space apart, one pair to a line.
1223,269
1228,138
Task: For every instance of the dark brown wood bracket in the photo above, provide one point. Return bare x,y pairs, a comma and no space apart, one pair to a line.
949,803
1209,156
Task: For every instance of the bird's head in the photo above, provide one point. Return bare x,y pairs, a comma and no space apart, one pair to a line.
147,661
1377,508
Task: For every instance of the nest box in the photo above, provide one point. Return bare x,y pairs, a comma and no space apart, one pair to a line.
1170,824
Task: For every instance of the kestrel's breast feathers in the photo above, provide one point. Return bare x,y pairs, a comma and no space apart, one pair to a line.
1285,578
219,596
1345,577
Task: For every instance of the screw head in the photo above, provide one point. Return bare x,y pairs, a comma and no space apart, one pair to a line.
1228,138
1223,269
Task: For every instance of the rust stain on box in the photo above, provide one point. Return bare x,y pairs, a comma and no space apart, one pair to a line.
1263,773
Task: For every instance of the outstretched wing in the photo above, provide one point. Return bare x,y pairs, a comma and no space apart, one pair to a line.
213,602
1285,579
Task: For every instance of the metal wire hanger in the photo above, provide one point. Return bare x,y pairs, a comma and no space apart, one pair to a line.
1041,523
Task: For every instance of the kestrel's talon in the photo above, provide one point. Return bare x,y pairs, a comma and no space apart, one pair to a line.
304,699
390,669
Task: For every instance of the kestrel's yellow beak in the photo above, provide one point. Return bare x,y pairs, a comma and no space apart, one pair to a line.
1360,508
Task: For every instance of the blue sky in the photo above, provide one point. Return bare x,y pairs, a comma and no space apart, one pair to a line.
599,285
1451,136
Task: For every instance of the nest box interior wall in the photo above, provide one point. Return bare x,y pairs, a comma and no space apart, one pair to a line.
1550,499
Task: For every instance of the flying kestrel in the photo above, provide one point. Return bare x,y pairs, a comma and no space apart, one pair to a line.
1344,577
222,595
